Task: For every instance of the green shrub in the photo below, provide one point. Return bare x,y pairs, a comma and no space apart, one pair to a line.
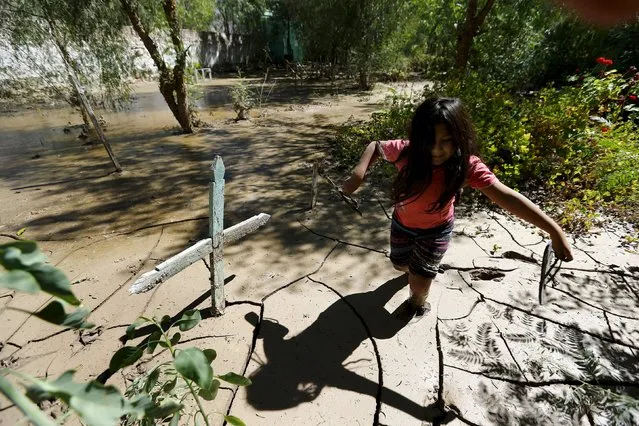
243,99
579,142
390,123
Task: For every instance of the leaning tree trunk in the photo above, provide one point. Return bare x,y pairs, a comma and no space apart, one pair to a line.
74,99
172,81
179,83
468,31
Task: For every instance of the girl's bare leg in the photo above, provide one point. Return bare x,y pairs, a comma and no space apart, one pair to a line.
400,268
419,288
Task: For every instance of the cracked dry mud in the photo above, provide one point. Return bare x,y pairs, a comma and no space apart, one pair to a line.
310,296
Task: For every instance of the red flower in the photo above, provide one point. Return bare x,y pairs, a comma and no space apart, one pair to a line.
604,129
632,97
604,61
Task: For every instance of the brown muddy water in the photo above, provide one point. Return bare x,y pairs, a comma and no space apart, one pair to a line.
59,186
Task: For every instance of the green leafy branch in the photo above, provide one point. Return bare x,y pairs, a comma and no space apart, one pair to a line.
192,366
147,399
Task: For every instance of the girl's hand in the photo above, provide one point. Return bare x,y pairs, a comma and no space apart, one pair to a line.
368,157
561,247
351,184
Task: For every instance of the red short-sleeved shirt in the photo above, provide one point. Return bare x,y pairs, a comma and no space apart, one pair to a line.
416,213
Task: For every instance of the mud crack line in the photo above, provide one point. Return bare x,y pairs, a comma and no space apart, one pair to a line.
604,383
440,386
380,371
135,272
524,246
605,311
258,326
384,252
559,323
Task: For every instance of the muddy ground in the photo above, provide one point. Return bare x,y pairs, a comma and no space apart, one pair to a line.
310,294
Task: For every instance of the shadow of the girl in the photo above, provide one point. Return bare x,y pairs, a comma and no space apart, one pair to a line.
297,369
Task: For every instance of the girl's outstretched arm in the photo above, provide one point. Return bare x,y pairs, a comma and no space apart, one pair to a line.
357,177
521,206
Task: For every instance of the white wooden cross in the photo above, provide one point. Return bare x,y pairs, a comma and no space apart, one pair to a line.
212,246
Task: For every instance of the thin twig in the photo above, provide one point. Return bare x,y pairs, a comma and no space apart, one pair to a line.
517,308
607,383
572,295
524,246
344,242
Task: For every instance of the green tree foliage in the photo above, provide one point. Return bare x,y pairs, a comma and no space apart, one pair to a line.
355,33
239,17
83,37
522,44
242,21
578,142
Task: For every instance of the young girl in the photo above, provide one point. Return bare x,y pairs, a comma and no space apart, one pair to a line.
434,164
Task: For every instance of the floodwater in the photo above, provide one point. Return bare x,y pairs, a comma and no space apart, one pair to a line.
59,186
104,229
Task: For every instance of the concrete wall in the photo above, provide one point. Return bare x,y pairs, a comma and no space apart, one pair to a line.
206,49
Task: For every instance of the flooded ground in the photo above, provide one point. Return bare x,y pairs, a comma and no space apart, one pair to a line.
46,171
310,294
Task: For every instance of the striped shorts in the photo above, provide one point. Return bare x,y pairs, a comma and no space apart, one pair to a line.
419,249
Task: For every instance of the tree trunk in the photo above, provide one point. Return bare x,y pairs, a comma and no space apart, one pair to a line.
172,83
179,83
468,31
364,79
464,44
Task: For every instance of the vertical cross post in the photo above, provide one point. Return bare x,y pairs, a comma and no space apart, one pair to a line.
314,185
216,232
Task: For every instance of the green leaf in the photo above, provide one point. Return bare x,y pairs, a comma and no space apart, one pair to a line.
96,404
55,314
211,393
142,403
210,354
28,408
235,379
175,339
175,421
20,255
154,339
20,281
54,282
130,330
189,319
192,364
170,385
124,357
234,421
165,322
151,380
164,410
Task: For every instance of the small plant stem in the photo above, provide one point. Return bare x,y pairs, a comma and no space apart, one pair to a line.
188,382
197,401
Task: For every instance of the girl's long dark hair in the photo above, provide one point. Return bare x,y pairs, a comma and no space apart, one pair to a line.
414,178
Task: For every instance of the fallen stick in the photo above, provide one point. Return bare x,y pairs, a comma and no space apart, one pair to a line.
197,251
